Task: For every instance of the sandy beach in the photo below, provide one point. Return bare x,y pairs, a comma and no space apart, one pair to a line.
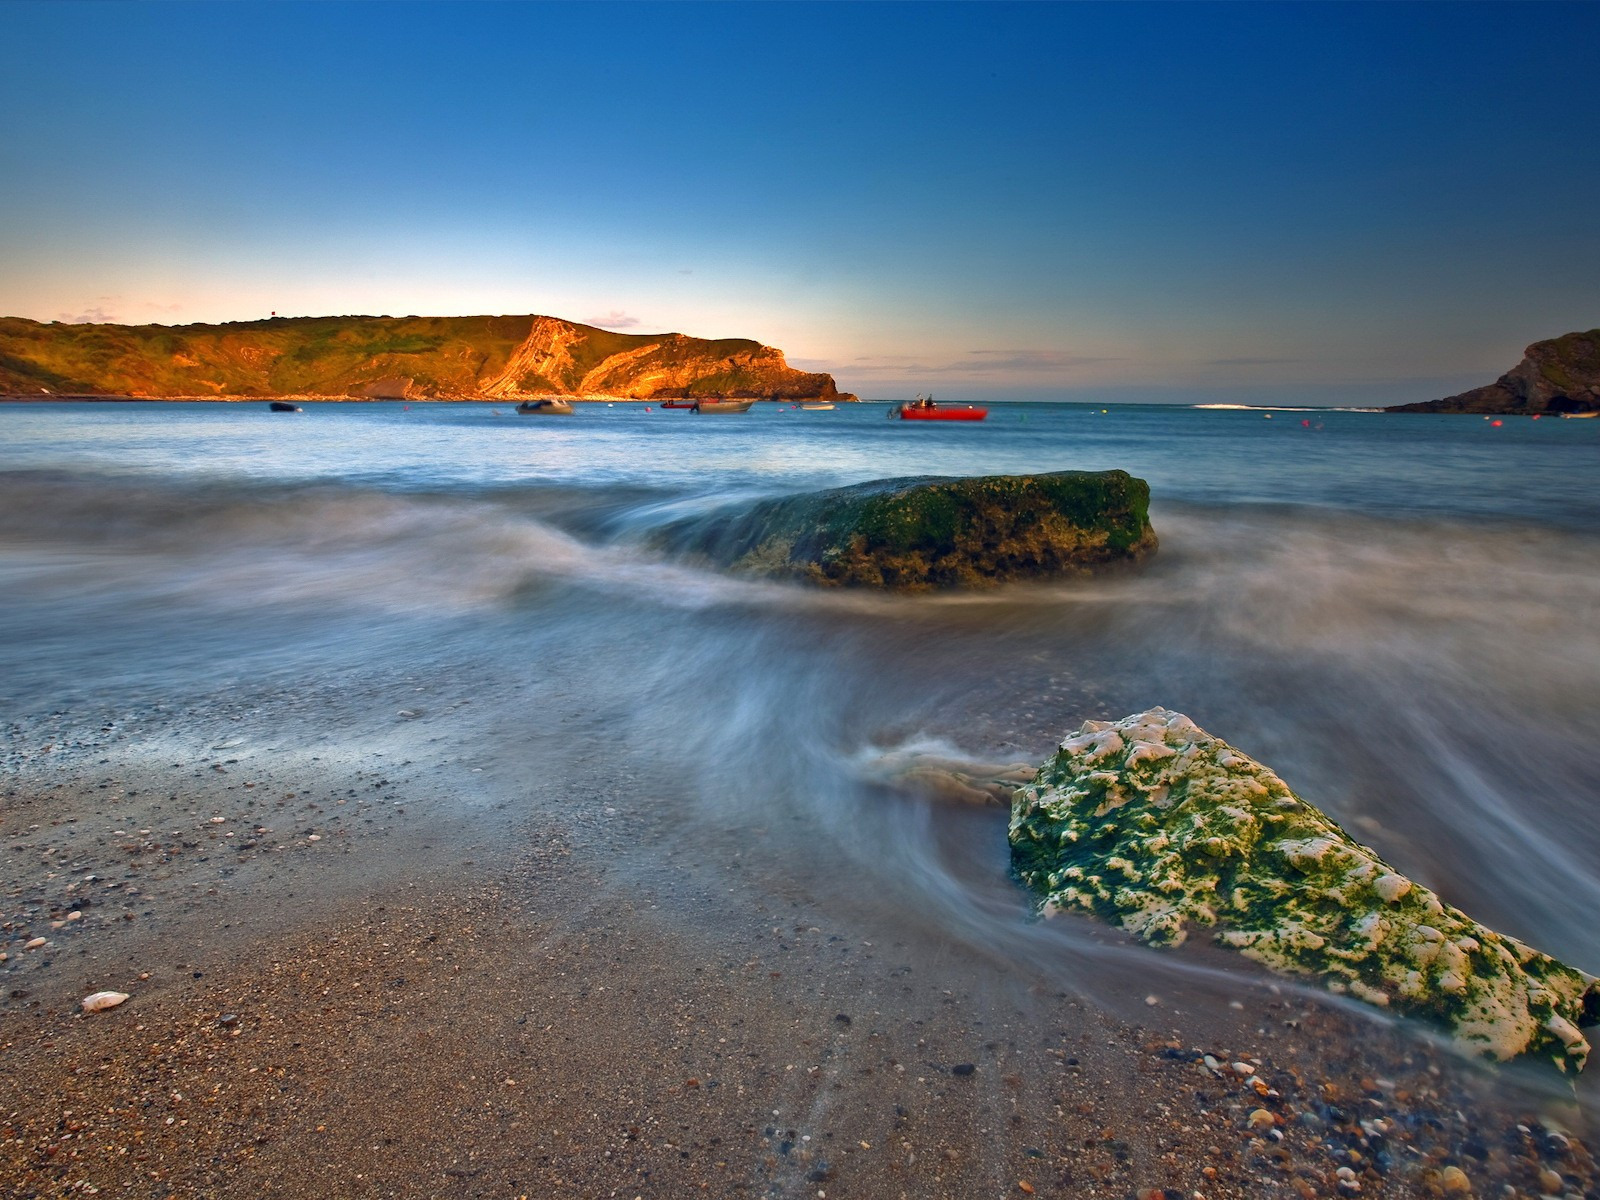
355,969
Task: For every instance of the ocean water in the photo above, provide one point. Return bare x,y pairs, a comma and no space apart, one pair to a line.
1399,614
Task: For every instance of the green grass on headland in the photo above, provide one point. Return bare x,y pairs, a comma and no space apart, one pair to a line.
419,357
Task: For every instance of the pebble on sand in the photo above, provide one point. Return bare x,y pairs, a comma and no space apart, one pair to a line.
98,1001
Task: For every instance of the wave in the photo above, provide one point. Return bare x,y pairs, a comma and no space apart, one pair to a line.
1427,682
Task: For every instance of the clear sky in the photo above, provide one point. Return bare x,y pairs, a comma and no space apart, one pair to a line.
1341,203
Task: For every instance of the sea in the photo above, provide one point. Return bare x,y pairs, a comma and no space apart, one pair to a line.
1400,614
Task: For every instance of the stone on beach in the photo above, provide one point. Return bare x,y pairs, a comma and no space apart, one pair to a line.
1157,826
99,1001
924,533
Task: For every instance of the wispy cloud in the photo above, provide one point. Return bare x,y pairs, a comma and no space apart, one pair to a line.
1027,360
89,316
110,310
612,320
978,364
1248,362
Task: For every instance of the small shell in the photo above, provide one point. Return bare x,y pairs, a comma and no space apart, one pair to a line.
96,1001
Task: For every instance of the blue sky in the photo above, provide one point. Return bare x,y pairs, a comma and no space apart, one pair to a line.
1340,203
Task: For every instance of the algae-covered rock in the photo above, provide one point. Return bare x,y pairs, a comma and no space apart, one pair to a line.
922,533
1155,825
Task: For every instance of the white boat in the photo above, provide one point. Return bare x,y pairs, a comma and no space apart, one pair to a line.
721,406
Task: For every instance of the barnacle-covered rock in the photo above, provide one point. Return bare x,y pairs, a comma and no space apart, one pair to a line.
1156,826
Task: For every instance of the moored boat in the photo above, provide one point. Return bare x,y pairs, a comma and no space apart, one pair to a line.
722,406
1580,416
924,409
818,406
284,406
548,406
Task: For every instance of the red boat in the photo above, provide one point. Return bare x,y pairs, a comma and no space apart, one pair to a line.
924,409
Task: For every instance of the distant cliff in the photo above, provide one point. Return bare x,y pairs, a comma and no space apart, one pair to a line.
1561,375
413,358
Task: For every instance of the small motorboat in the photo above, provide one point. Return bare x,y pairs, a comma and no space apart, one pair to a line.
924,409
818,406
722,406
1580,416
284,406
548,406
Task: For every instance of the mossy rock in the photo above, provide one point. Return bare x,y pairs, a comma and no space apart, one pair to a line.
924,533
1156,826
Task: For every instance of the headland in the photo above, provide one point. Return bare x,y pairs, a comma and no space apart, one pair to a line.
390,358
1558,376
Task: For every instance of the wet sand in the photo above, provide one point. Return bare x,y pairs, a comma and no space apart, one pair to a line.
386,963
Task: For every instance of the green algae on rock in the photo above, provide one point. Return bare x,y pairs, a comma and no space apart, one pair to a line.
923,533
1154,825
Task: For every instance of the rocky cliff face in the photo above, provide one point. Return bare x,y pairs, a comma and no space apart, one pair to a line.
558,356
420,358
1557,376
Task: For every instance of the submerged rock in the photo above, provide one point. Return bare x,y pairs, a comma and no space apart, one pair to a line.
923,533
1155,825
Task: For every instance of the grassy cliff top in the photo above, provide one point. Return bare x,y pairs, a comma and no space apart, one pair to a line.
444,357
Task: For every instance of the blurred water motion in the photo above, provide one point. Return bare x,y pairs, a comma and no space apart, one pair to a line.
1397,616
